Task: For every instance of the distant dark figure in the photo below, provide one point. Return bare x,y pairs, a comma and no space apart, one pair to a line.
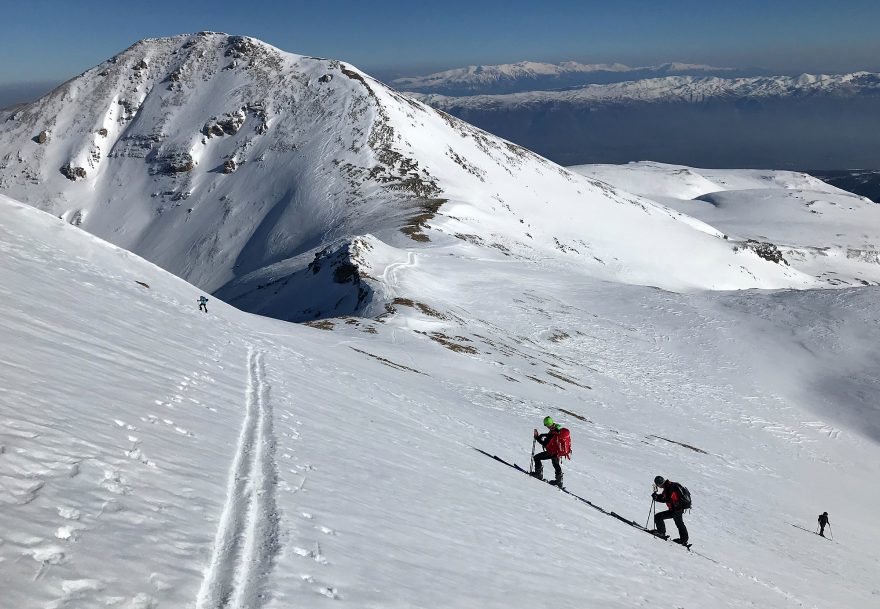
677,500
823,522
203,304
557,444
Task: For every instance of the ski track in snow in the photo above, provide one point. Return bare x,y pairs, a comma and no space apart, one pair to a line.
389,275
247,539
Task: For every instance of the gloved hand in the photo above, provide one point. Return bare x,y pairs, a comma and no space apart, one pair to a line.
655,496
536,434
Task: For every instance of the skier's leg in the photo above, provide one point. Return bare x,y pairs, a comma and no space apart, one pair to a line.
557,468
678,519
539,467
659,524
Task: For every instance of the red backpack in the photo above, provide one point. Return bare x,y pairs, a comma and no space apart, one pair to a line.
560,446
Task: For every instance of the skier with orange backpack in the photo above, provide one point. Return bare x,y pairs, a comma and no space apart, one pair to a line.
557,444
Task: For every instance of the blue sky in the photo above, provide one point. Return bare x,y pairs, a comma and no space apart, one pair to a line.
50,40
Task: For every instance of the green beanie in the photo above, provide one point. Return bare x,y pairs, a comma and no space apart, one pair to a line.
548,422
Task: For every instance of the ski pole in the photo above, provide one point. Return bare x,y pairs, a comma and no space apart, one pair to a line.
651,509
532,458
830,532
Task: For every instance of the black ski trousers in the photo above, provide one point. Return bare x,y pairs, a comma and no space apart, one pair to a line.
677,518
539,467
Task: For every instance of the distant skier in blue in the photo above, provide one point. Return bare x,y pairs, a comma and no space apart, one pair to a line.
203,304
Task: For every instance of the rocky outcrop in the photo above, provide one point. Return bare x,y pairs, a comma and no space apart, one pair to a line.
43,137
73,173
228,124
229,166
766,250
179,162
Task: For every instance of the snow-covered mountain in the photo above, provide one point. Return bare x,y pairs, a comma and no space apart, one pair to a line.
532,76
264,177
815,227
777,122
153,456
672,89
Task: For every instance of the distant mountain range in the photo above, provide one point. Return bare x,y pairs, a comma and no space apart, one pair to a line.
865,182
537,76
767,121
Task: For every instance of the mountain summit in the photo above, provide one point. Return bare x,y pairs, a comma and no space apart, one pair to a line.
238,167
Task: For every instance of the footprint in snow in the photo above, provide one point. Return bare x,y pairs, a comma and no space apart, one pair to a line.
68,512
329,592
66,533
49,555
313,554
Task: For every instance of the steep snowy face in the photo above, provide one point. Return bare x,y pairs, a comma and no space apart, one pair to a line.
239,167
210,154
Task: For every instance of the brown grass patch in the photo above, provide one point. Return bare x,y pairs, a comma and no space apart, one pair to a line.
693,448
413,227
388,362
566,379
321,324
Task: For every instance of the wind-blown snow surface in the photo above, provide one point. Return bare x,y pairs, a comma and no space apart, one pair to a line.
820,229
155,456
136,151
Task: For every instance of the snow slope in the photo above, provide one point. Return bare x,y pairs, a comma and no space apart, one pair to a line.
232,164
155,456
820,229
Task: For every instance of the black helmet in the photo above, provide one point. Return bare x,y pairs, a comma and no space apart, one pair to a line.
659,480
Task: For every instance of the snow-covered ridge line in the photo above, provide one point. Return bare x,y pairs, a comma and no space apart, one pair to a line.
676,89
530,70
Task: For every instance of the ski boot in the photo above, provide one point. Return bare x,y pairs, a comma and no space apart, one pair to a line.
657,533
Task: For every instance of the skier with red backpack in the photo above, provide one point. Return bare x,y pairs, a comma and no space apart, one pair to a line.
557,444
677,499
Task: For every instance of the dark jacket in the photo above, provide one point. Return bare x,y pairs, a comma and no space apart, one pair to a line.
544,438
669,495
823,519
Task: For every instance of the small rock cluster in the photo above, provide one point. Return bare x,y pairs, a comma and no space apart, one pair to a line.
228,124
179,162
73,173
766,250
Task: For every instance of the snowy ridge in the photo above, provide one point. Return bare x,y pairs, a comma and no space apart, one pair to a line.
532,74
689,89
817,228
